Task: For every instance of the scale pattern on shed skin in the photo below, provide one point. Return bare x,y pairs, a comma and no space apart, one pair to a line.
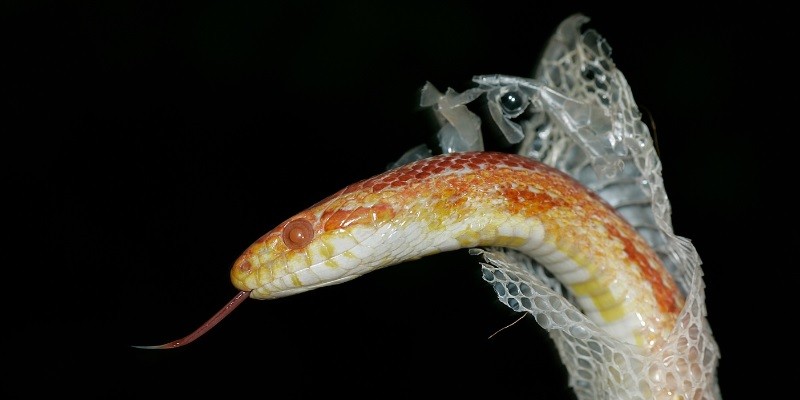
464,200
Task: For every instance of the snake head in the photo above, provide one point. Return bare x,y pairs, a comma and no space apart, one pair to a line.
329,243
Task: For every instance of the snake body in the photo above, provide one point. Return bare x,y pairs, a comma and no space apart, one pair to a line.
465,200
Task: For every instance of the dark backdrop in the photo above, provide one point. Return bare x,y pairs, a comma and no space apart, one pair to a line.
150,143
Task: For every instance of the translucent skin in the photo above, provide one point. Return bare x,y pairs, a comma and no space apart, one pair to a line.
464,200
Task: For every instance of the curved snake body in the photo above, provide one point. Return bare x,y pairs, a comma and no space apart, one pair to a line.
465,200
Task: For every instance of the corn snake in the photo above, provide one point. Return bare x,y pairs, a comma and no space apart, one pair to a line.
465,200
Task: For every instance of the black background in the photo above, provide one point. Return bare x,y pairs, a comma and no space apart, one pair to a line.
150,143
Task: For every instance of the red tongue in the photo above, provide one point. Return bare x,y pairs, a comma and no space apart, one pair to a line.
235,302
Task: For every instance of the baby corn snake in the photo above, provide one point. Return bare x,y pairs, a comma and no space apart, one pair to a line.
467,200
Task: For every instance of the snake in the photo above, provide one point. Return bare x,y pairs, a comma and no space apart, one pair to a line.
463,200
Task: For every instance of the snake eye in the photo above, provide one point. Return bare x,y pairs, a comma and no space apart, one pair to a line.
298,233
513,102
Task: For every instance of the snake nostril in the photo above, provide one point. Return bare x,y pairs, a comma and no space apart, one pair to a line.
245,266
